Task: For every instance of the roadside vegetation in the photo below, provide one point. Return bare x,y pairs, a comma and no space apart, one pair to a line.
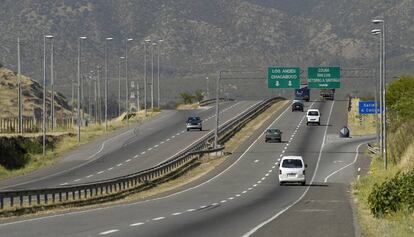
190,101
21,155
360,124
385,198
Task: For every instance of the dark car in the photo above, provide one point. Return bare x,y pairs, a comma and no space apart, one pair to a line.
273,134
297,106
194,123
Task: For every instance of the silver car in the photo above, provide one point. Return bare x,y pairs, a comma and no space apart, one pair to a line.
194,123
273,134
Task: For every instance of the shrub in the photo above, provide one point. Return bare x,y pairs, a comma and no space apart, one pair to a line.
12,154
393,195
187,97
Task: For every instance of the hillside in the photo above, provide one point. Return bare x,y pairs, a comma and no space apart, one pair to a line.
32,93
202,37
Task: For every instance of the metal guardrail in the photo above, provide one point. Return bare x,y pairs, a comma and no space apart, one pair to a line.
210,101
104,188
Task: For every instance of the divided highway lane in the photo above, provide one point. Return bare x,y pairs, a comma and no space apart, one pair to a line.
228,204
139,149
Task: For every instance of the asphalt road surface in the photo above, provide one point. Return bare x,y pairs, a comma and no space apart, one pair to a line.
127,151
240,199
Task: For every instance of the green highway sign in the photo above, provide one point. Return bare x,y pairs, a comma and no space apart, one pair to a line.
324,77
283,77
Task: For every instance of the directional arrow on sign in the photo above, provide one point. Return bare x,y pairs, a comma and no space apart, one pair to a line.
290,83
277,83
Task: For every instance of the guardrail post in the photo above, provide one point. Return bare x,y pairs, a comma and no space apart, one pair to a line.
53,198
21,200
67,195
45,198
38,199
79,194
85,192
60,196
1,203
73,195
30,200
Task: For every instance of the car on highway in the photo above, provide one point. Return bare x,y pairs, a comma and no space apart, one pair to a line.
313,116
194,123
292,170
297,106
273,134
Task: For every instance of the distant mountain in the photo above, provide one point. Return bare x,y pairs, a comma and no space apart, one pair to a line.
202,37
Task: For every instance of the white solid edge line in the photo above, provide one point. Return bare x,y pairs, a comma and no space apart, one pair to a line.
353,162
252,231
155,199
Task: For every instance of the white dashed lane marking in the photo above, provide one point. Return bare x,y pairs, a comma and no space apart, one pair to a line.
137,224
108,232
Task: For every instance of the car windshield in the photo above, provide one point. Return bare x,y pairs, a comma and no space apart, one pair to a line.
297,103
292,163
313,113
273,131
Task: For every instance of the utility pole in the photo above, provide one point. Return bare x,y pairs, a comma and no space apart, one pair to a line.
19,90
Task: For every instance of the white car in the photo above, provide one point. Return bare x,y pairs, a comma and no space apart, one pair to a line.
313,116
292,170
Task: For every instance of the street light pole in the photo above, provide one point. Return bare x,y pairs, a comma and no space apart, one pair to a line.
99,109
106,82
19,89
44,93
126,81
379,137
79,86
383,91
119,85
207,89
145,76
217,111
152,75
158,70
52,112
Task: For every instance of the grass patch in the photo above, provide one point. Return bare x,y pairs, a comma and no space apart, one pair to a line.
398,224
67,143
188,106
360,124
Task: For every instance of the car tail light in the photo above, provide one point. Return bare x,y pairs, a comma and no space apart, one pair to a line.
303,172
280,171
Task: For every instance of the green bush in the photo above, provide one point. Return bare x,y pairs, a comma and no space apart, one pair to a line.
12,154
393,195
187,97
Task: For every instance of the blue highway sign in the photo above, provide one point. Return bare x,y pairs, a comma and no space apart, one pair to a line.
367,107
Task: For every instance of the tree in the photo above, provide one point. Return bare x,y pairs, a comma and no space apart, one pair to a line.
187,97
199,95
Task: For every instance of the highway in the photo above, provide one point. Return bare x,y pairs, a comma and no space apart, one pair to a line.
129,150
242,197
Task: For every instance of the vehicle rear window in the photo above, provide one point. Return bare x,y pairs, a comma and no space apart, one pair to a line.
292,163
194,119
273,131
313,113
